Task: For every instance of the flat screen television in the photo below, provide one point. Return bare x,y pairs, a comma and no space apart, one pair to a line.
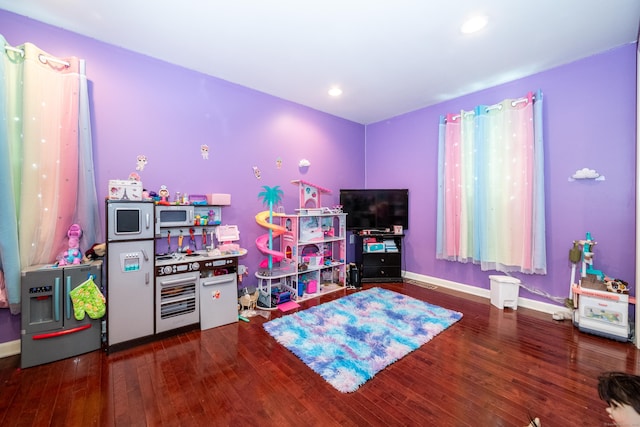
376,209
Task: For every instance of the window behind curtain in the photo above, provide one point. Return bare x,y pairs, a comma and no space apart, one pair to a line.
491,186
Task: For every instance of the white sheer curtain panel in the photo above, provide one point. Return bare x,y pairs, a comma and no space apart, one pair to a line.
491,187
44,154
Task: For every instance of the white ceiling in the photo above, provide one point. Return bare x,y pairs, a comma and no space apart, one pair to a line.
389,56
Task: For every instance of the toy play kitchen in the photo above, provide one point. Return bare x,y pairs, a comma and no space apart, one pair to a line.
171,266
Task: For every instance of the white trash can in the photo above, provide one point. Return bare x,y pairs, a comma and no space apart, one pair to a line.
504,291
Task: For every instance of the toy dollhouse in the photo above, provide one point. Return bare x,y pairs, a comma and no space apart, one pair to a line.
310,249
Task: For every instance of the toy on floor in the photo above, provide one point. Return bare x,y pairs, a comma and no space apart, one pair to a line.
72,255
248,304
249,301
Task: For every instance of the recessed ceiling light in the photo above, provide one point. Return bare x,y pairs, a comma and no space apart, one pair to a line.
474,24
335,91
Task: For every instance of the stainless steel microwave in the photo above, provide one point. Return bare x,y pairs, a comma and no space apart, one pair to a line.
174,216
129,220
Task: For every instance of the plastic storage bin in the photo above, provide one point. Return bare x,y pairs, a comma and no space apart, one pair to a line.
504,291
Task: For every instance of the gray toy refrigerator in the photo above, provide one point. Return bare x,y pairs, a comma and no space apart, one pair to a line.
50,330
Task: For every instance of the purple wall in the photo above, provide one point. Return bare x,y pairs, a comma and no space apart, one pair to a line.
589,121
144,106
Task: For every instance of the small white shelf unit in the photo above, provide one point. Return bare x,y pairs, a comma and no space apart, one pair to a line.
313,262
206,218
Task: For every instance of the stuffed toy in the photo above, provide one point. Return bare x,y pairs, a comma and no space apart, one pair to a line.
616,285
87,298
72,255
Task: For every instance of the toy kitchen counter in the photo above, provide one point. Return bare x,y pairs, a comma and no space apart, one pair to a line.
203,261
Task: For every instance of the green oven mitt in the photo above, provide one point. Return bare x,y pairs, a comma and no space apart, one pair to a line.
87,298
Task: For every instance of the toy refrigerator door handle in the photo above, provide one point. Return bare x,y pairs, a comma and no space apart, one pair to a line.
56,300
67,297
61,333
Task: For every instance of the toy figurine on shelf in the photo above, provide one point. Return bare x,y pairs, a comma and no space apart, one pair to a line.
164,195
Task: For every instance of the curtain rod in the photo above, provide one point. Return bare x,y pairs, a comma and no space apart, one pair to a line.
14,49
496,106
43,58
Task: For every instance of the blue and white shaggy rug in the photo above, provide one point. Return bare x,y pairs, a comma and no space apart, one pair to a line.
348,340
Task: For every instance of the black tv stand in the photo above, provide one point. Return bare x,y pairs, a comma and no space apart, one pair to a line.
379,257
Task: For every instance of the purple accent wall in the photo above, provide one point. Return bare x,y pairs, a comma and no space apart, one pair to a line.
589,121
9,326
144,106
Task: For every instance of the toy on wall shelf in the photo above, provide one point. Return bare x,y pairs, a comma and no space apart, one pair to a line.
141,162
586,173
303,165
163,193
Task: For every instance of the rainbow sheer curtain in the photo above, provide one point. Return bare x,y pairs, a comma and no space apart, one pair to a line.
46,161
491,187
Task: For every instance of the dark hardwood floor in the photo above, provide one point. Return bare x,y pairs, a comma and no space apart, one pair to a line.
492,368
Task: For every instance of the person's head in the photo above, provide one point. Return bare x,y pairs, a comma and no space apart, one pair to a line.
621,391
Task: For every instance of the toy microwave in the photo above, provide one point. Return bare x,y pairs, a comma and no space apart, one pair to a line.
174,216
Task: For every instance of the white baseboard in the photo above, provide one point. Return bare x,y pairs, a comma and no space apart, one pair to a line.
485,293
9,348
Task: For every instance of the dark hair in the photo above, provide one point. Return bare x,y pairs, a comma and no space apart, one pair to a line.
620,387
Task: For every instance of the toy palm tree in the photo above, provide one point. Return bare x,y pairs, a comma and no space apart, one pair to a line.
271,196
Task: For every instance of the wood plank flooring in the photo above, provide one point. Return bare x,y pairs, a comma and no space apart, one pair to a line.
492,368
